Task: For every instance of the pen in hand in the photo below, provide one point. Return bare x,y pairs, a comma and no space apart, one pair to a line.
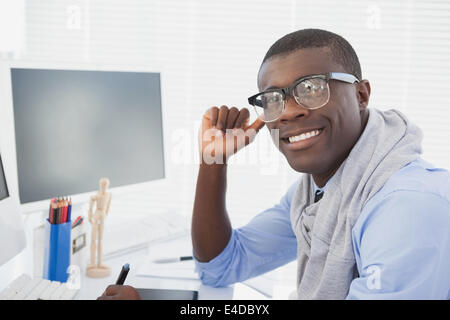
169,260
123,274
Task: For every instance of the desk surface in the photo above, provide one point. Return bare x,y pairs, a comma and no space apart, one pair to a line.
91,288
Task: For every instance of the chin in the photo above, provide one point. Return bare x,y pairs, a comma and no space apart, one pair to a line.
307,163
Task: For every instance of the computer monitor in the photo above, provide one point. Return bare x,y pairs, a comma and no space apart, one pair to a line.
12,235
73,127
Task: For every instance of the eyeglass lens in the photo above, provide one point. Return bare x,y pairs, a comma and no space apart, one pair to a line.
310,93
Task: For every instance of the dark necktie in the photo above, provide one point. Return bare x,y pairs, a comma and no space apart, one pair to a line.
318,195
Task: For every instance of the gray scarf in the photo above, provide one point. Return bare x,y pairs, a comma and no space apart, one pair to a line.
326,262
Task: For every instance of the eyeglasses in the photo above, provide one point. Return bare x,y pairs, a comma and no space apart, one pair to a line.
311,92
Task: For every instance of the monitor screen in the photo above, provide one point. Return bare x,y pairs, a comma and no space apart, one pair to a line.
3,187
74,127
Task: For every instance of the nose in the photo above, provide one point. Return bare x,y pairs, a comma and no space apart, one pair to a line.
293,110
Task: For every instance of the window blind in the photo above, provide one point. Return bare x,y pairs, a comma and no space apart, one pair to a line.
209,52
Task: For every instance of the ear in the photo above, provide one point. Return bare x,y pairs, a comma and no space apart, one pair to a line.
363,91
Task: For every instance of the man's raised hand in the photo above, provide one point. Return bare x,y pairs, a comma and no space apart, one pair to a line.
224,131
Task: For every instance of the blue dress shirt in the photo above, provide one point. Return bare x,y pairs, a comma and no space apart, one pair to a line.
401,240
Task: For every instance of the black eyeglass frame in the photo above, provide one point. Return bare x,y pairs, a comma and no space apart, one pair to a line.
340,76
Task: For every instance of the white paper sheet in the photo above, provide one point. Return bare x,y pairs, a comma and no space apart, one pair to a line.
170,249
266,284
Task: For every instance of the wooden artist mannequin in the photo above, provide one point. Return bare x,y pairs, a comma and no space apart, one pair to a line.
97,220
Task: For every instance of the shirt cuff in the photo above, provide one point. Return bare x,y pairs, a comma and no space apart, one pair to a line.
215,266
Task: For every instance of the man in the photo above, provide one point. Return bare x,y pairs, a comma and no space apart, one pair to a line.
369,219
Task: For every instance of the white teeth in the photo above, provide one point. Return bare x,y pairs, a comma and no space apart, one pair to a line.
304,136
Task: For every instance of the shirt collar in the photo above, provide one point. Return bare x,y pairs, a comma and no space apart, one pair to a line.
323,188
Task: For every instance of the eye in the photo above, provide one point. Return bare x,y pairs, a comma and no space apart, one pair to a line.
272,98
309,87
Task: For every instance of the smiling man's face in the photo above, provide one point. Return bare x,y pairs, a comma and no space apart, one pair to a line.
340,122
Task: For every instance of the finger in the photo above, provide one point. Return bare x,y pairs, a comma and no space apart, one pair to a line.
242,119
131,293
206,123
231,118
222,118
112,290
252,130
211,115
104,296
256,125
209,119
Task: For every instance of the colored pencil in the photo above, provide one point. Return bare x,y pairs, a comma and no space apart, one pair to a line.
55,211
50,211
69,210
58,219
60,210
66,207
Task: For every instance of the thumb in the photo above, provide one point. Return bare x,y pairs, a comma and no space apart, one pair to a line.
256,125
252,130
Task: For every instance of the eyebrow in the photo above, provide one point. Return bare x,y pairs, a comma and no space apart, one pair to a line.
275,87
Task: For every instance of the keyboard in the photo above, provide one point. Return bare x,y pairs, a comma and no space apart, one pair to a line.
126,233
26,288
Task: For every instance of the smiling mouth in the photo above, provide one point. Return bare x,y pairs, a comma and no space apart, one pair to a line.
304,136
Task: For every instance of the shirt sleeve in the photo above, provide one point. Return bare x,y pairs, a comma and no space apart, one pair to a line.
402,248
264,244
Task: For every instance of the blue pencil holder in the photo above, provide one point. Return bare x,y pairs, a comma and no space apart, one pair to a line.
57,251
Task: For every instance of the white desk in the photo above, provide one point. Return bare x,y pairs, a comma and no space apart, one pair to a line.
92,288
284,278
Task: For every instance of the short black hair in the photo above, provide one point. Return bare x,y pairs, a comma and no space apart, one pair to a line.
341,50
